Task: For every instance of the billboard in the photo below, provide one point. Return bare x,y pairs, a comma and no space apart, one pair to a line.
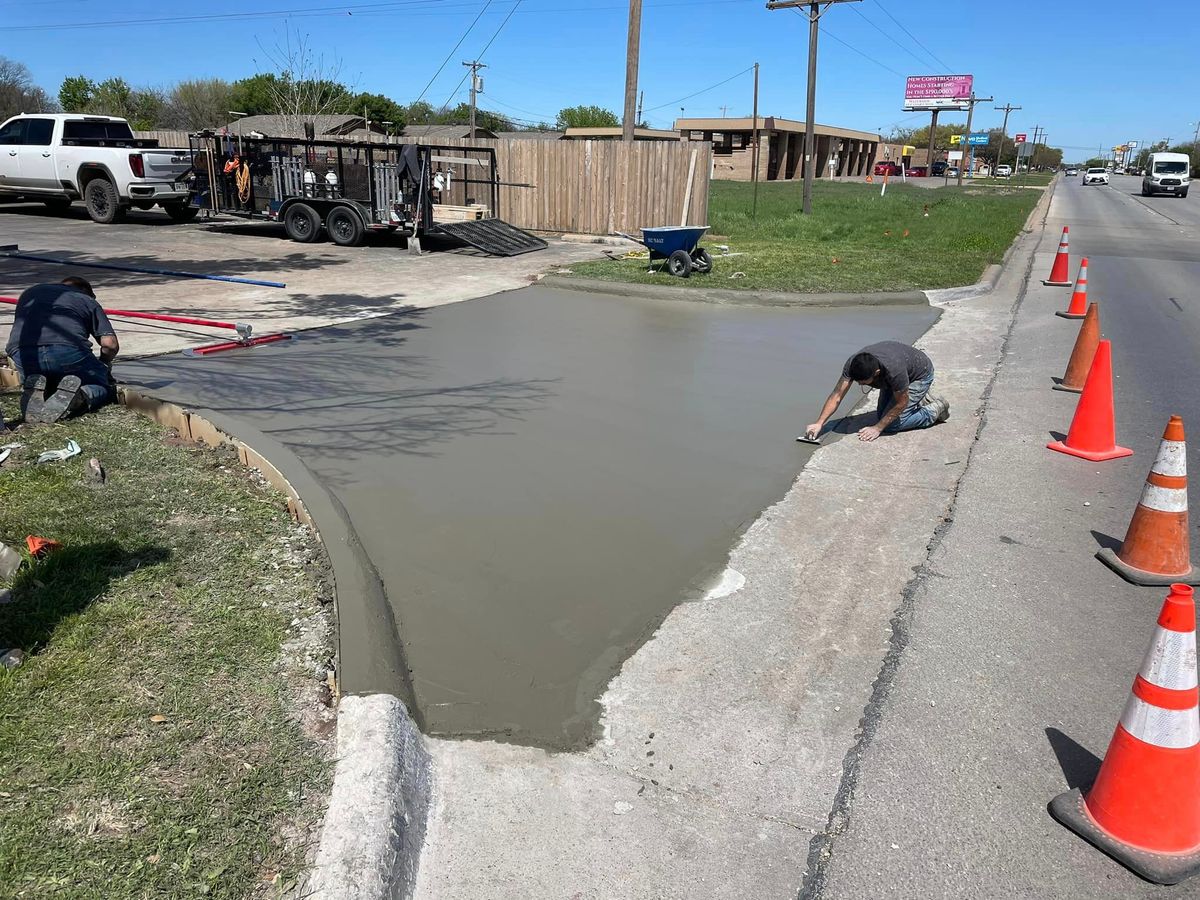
937,91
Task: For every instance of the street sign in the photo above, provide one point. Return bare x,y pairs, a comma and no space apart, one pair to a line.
954,155
1024,149
956,139
1019,139
1132,145
977,139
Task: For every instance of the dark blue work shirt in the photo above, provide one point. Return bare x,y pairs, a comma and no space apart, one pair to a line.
48,314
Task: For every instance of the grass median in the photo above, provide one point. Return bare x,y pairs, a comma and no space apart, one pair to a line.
164,735
855,240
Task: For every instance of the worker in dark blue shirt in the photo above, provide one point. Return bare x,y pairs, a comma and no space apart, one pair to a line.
50,344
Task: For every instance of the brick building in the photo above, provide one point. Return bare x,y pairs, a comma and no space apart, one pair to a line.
852,152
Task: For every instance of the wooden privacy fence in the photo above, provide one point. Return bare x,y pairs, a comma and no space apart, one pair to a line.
592,187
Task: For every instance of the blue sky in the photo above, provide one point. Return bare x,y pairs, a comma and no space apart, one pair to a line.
1084,74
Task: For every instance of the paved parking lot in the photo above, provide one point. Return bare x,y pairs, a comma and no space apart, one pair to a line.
326,284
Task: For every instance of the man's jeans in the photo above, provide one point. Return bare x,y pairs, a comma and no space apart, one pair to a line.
914,415
56,360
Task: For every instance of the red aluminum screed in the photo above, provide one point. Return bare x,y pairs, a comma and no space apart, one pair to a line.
243,330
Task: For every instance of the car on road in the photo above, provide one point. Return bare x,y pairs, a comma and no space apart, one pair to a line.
1166,173
1119,171
1095,175
887,167
1072,172
1004,171
59,158
918,172
939,167
952,172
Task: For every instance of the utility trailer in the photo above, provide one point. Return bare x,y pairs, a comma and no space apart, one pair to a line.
345,189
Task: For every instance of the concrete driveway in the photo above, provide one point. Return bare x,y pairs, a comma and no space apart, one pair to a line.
326,284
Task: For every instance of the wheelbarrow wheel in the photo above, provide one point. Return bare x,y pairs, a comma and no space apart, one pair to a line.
679,264
701,261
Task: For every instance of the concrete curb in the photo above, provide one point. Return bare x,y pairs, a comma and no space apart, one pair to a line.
733,297
375,825
379,804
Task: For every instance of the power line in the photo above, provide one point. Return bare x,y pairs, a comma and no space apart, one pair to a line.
870,22
828,33
453,50
911,35
701,91
495,35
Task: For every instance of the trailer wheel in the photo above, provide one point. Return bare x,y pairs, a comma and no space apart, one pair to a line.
679,264
181,212
302,223
344,227
103,204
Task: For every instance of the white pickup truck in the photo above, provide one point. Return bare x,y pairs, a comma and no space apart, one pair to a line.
61,158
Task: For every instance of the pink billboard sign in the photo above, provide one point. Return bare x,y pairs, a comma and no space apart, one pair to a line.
937,91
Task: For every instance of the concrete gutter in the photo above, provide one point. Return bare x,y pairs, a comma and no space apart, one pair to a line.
733,297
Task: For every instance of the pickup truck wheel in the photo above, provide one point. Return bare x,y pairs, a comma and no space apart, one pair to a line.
103,204
302,223
57,204
344,227
181,212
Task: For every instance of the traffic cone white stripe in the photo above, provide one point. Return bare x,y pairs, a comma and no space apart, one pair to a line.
1163,499
1171,660
1173,729
1171,459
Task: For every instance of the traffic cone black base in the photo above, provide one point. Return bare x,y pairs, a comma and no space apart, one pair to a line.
1161,868
1140,576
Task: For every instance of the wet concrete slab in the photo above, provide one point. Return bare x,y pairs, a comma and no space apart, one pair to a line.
539,477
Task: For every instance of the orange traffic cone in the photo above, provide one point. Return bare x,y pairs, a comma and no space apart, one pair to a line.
1059,276
1144,809
1083,353
1078,305
1093,433
1156,548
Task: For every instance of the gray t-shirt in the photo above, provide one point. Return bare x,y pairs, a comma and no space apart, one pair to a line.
49,314
900,364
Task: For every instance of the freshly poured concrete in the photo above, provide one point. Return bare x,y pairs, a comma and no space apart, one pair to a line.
539,477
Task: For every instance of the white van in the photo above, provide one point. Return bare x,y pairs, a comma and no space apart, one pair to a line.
1166,173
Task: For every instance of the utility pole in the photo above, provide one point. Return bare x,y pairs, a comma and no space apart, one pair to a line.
754,157
476,87
971,147
632,49
810,139
724,109
1008,108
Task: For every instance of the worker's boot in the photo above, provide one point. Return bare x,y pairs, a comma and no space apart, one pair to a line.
55,407
940,407
33,395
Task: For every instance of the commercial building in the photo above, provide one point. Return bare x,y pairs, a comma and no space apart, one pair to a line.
851,152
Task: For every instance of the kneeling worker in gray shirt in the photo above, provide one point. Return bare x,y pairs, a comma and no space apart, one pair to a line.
903,375
49,344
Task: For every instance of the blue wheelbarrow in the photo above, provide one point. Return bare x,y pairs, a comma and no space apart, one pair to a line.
677,244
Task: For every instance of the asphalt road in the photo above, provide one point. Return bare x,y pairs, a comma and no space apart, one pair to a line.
1020,646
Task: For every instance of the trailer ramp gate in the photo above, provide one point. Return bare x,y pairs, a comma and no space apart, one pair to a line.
493,236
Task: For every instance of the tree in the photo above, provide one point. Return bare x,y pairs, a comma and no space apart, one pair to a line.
919,137
420,112
200,103
304,85
378,109
255,95
461,115
586,117
18,93
75,93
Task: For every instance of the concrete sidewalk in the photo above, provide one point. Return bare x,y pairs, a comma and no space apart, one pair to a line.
1018,652
726,733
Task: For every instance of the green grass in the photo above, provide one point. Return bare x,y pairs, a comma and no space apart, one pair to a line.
854,241
176,587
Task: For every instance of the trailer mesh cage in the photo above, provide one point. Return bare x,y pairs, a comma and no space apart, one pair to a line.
413,189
